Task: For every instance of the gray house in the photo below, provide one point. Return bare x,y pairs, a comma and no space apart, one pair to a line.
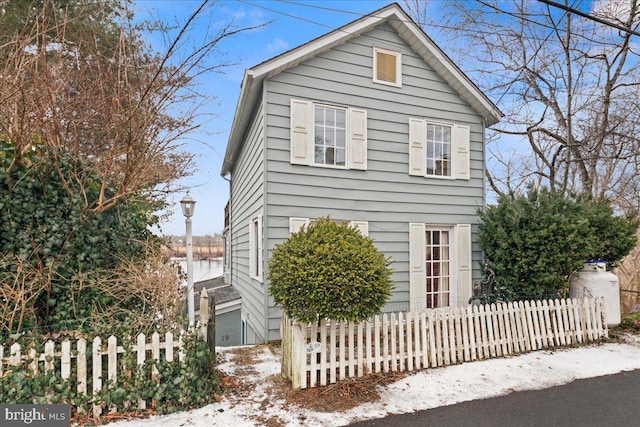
371,124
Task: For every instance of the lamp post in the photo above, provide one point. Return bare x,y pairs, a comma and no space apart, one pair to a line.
188,206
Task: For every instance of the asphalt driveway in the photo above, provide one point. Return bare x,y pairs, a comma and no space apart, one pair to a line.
610,401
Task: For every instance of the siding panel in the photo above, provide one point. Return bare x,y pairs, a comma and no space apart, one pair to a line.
247,196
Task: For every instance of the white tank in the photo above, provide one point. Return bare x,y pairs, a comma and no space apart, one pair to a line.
595,281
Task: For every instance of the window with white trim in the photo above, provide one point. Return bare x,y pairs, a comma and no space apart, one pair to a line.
328,135
439,150
439,265
387,67
255,248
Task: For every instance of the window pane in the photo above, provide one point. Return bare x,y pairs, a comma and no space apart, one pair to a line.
340,138
340,157
341,119
438,134
446,169
319,154
319,113
329,156
330,117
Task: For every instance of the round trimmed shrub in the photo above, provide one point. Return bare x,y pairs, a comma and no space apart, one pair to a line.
329,270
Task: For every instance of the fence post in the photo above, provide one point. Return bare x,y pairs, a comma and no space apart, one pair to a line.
297,356
211,328
206,332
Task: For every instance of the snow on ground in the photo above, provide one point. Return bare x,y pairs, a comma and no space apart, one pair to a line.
422,390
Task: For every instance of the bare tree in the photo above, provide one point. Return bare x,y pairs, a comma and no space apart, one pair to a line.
79,75
569,88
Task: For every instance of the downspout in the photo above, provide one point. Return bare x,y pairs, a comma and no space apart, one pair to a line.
484,179
228,256
265,217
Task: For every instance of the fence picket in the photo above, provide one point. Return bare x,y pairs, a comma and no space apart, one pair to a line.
341,351
565,321
409,342
473,355
369,346
484,332
313,357
394,355
376,343
351,346
416,339
385,343
491,326
459,352
425,341
97,371
168,347
360,350
34,361
65,359
548,328
323,352
49,355
502,328
15,354
440,342
401,348
81,364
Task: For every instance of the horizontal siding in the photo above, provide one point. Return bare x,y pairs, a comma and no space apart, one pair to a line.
247,190
384,194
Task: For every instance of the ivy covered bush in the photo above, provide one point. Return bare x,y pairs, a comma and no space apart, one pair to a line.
175,386
535,242
329,270
58,249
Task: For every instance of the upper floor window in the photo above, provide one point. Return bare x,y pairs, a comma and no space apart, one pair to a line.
387,67
328,135
439,149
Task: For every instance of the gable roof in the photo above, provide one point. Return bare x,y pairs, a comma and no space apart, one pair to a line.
251,88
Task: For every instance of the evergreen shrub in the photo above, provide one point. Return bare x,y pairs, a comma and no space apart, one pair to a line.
329,270
535,242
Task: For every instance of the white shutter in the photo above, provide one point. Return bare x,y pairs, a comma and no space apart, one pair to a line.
295,224
417,156
362,226
463,260
301,132
358,139
417,281
252,250
461,136
259,253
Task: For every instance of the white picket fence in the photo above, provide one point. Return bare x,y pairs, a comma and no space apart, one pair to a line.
103,359
315,355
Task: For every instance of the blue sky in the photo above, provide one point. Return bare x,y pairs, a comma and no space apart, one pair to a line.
248,49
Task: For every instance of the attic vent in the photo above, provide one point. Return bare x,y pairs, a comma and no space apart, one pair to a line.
387,67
